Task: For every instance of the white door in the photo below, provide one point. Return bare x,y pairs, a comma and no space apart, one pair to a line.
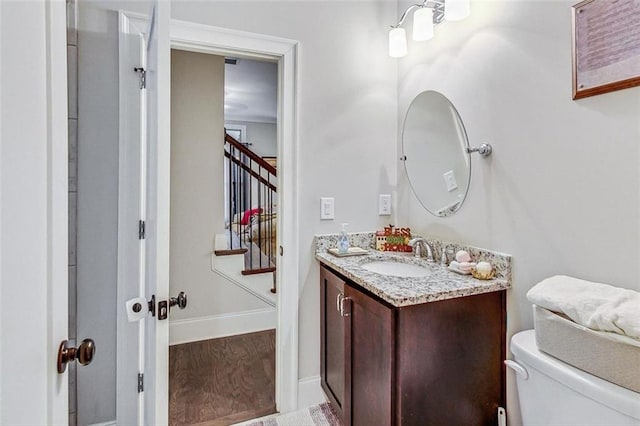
156,343
33,211
143,221
137,377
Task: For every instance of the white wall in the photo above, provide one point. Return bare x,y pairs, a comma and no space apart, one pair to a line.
197,151
347,120
262,136
561,192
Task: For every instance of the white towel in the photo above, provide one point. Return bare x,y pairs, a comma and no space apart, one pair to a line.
597,306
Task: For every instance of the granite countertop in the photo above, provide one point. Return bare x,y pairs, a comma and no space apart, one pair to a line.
440,284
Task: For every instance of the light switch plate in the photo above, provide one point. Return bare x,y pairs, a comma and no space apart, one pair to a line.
384,205
450,181
327,207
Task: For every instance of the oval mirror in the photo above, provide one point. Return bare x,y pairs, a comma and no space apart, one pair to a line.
434,150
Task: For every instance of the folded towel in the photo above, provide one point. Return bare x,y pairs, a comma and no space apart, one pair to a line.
597,306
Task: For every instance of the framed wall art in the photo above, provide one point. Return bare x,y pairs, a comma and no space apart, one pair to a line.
605,46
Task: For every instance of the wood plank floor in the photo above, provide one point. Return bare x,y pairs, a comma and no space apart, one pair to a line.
222,381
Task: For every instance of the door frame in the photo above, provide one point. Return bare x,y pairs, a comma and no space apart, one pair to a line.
221,41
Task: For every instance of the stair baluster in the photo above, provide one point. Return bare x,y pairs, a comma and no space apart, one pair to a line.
251,196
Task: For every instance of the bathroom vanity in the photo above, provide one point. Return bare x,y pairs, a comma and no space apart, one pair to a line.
405,341
411,351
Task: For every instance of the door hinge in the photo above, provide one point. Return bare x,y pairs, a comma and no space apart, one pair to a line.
141,230
140,382
142,73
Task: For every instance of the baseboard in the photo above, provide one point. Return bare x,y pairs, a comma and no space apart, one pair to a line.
110,423
309,392
211,327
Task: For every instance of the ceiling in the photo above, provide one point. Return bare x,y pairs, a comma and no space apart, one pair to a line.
251,91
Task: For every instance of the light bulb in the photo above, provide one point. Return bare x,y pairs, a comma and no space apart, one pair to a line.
423,24
397,42
456,10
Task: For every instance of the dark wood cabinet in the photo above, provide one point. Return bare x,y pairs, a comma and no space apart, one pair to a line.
333,332
437,363
369,359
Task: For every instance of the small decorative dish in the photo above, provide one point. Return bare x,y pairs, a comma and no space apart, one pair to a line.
483,275
457,271
353,251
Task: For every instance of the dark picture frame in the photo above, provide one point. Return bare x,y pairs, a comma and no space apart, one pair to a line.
605,46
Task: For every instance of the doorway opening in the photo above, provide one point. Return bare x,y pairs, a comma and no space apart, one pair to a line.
232,43
250,162
222,353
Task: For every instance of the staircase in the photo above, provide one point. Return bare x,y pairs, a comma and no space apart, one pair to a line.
250,204
231,267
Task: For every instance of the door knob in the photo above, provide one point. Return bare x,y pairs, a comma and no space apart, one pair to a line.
83,354
180,301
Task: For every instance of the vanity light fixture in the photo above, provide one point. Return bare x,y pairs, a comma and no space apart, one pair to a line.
397,42
429,14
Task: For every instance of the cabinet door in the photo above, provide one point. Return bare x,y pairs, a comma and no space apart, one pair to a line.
450,361
369,360
332,332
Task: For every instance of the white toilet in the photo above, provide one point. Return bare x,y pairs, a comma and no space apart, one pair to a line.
554,393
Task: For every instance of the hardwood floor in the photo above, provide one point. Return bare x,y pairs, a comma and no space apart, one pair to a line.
222,381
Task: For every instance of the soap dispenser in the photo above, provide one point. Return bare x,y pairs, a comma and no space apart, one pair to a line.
343,240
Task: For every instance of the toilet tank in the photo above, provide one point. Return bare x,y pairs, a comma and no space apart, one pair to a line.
554,393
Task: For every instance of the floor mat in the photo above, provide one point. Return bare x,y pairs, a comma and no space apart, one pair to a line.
318,415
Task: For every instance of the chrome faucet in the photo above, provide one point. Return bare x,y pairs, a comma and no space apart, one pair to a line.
420,245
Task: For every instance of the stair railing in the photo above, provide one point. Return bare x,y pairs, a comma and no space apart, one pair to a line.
251,196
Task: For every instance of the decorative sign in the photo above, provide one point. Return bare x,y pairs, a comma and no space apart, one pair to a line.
393,239
606,46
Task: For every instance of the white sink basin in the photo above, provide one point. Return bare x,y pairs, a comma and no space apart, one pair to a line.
396,269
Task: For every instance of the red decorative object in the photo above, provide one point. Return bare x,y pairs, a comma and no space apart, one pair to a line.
247,215
397,239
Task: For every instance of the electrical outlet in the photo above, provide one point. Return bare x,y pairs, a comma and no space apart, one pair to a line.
450,181
384,205
327,207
